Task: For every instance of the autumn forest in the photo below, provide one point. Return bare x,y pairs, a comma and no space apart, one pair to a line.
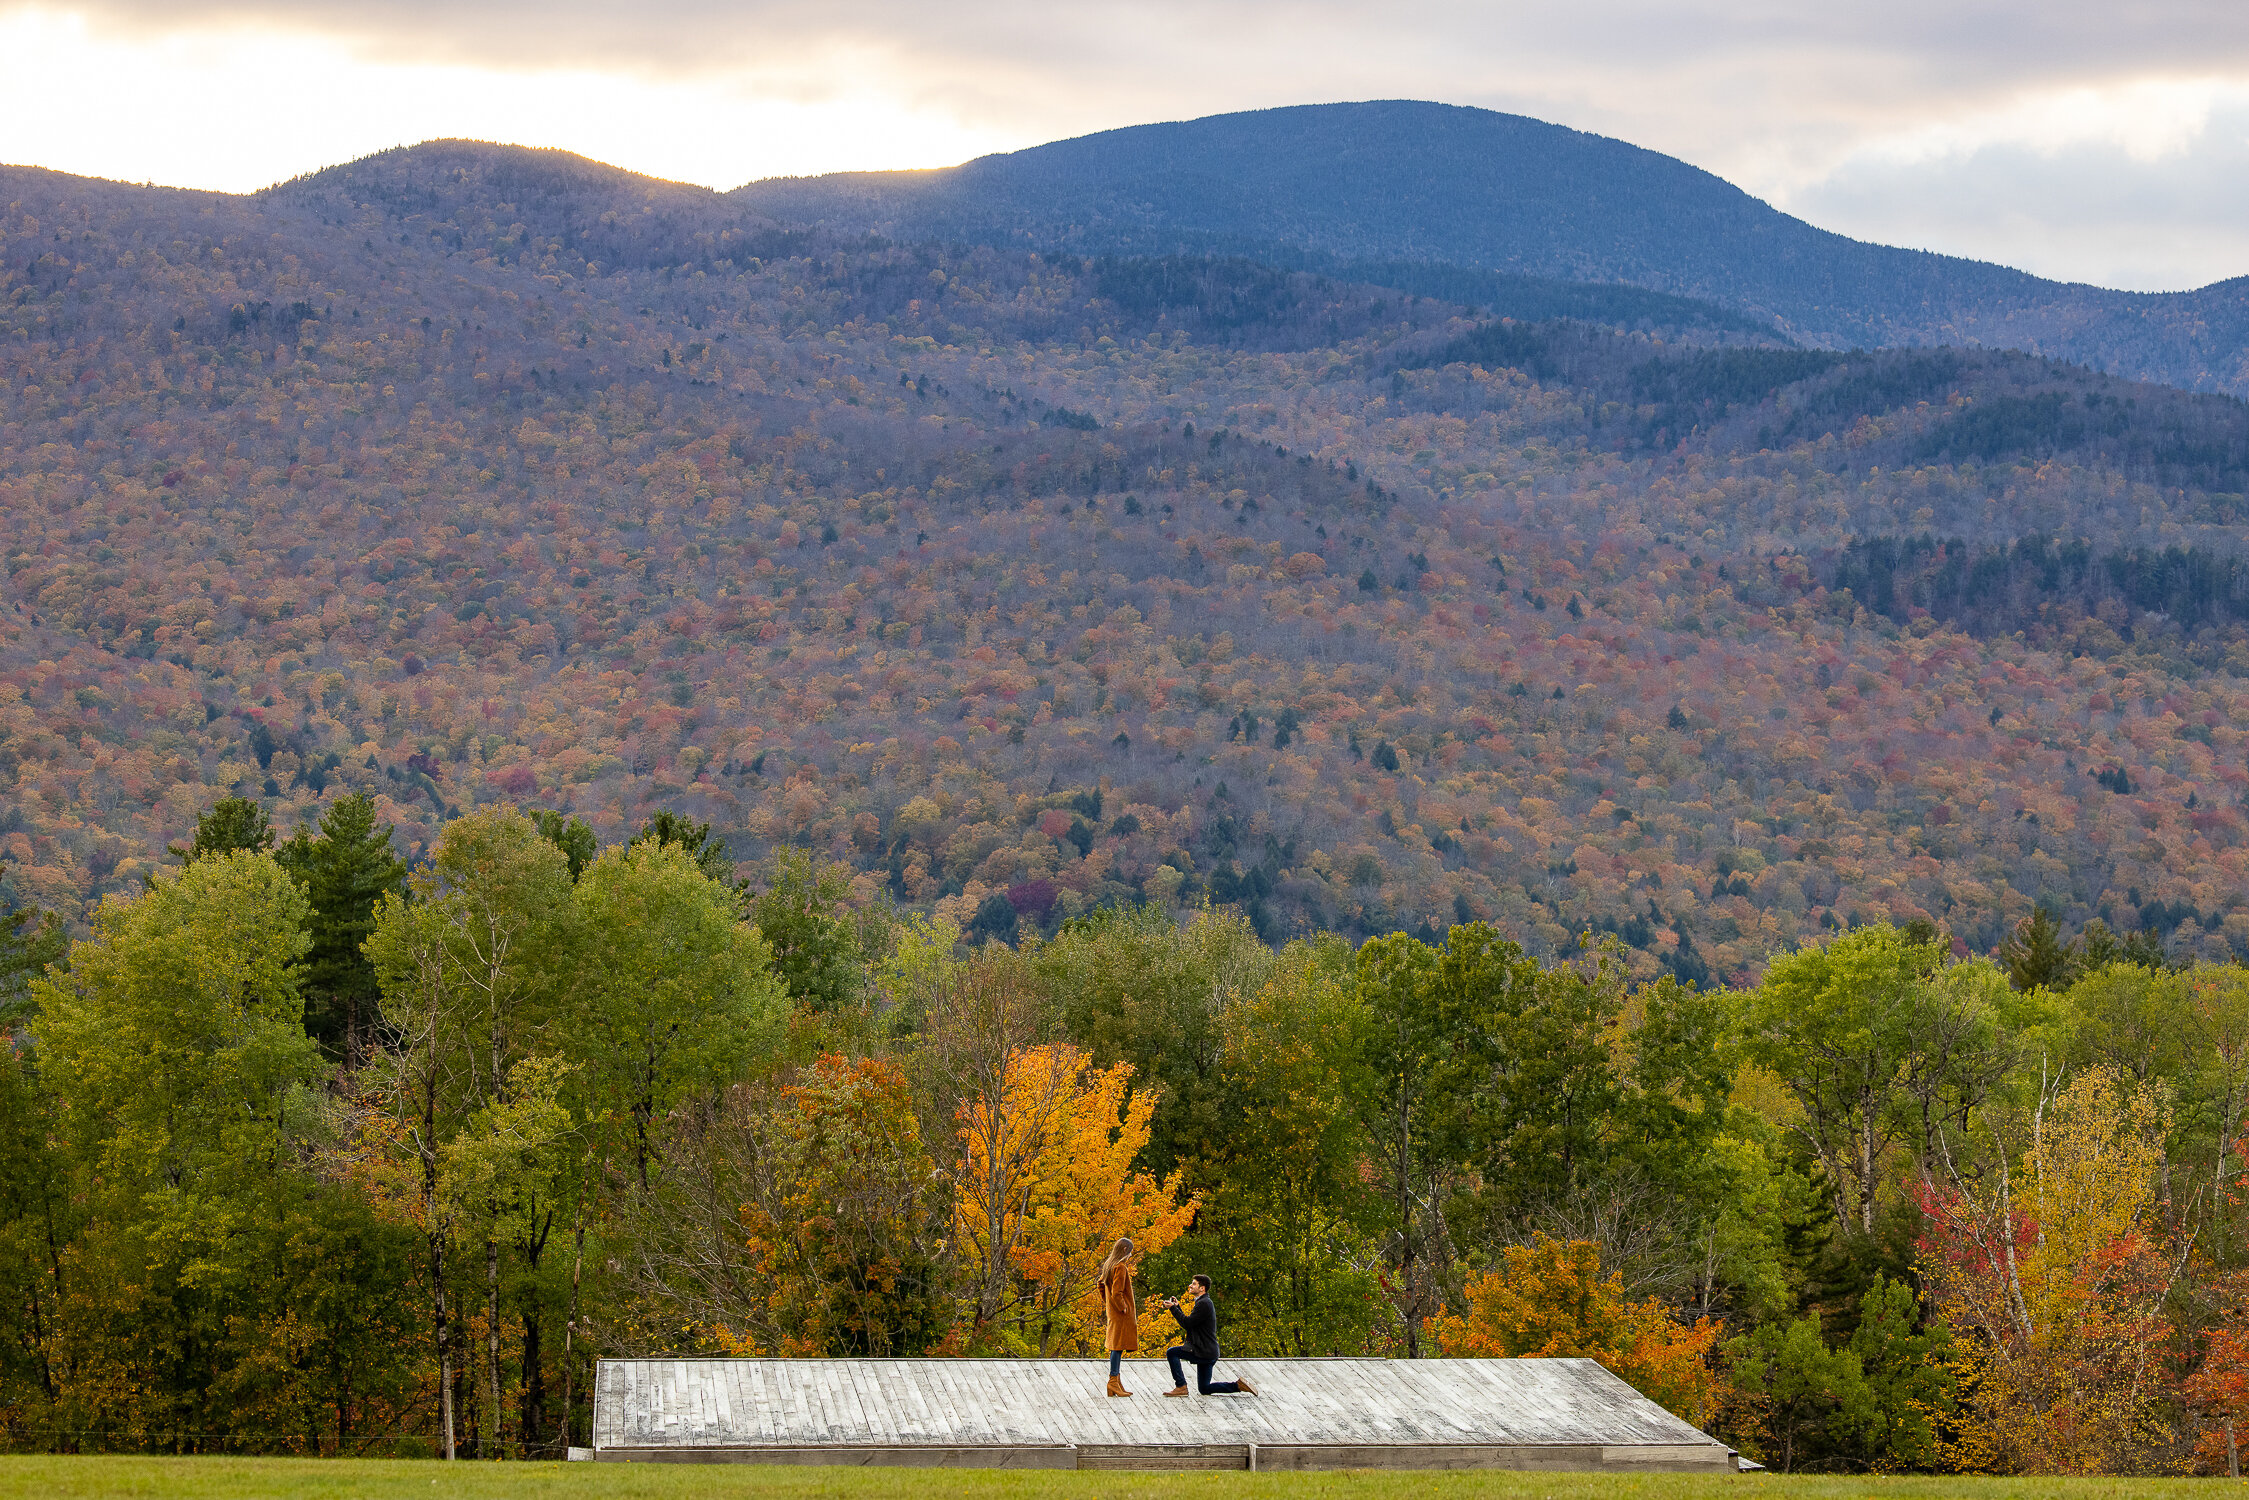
584,770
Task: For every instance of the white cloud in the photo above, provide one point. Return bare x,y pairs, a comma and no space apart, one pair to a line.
236,108
2136,186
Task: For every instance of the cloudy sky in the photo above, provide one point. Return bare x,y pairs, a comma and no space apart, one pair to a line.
2093,140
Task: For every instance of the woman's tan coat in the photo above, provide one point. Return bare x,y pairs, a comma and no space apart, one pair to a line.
1122,1307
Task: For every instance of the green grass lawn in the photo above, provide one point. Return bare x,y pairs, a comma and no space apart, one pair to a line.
319,1479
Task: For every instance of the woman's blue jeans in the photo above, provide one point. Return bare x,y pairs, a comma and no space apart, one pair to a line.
1116,1363
1204,1385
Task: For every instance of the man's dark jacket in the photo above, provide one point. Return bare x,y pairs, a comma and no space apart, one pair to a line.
1201,1331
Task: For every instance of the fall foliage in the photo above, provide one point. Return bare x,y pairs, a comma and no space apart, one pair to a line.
1068,1134
1548,1300
464,476
586,772
601,1112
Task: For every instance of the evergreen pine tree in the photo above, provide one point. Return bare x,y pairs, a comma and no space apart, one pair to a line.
2035,956
232,823
709,853
344,872
574,838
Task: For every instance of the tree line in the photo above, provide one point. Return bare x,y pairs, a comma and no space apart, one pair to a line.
305,1150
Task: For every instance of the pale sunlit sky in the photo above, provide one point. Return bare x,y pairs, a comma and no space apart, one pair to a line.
2093,140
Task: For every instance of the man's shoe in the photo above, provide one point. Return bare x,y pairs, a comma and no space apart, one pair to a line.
1177,1390
1116,1387
1247,1388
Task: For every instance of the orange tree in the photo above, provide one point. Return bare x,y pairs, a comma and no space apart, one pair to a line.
1059,1141
2218,1391
1548,1300
848,1243
2217,1388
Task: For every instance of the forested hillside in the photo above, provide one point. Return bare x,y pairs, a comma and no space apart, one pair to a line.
1450,190
464,476
585,771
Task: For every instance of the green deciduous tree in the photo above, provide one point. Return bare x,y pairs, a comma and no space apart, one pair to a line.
472,963
678,996
813,938
176,1039
29,942
1287,1223
1131,985
200,1270
1404,1113
1877,1042
1530,1086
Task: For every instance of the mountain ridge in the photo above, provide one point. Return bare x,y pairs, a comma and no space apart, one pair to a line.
1099,194
1506,192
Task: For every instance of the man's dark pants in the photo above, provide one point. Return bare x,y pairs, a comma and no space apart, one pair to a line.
1204,1385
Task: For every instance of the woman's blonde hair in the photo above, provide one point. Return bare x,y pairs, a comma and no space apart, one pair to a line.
1119,1254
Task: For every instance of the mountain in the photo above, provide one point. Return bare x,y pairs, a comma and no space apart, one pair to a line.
1023,583
1437,184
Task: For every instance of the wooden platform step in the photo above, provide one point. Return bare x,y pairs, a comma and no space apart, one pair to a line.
1055,1414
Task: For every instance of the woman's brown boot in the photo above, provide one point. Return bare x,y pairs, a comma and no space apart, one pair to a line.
1116,1387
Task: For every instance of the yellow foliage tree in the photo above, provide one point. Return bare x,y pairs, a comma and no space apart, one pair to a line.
1047,1185
2047,1272
1548,1300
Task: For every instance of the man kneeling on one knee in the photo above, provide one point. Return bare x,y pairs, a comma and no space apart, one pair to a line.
1199,1328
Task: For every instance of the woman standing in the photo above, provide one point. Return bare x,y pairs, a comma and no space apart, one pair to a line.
1121,1310
1200,1327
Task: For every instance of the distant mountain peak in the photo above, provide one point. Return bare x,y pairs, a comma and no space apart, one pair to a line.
1411,180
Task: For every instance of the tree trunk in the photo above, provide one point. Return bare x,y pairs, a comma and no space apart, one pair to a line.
488,1446
444,1340
570,1328
532,1432
534,1425
1866,1167
1405,1240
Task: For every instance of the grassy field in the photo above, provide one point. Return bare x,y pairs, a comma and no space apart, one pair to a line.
313,1479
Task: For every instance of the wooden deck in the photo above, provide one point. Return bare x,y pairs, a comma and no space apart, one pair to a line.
1052,1414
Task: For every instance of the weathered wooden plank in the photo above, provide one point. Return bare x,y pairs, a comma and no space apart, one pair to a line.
921,1407
910,1413
835,1402
969,1404
1001,1412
